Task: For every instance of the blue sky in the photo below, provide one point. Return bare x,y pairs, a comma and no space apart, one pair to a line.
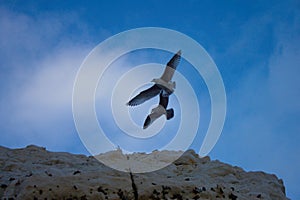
255,44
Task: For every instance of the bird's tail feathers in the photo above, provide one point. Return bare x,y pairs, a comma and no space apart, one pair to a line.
170,113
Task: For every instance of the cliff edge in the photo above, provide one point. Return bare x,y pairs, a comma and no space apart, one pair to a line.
35,173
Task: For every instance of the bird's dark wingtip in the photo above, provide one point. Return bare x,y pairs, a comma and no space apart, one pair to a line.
130,104
147,122
179,52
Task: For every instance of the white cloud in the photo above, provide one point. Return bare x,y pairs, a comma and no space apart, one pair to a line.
49,88
39,62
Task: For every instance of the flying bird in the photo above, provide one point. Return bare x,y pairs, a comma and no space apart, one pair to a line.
163,85
158,111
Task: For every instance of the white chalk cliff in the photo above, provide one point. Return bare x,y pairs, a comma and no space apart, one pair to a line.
35,173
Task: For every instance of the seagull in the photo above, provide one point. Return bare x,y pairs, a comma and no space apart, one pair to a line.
158,111
163,85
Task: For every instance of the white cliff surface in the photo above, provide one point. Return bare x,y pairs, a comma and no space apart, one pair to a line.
35,173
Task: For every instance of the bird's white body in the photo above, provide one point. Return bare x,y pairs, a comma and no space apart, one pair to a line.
169,85
156,113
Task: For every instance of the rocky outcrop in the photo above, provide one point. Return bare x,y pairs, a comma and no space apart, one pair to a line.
35,173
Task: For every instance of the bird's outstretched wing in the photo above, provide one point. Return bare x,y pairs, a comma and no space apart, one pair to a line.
171,67
144,96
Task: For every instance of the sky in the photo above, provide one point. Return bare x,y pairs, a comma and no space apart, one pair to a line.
255,45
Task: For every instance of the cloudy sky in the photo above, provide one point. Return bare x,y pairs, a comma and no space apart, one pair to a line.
255,44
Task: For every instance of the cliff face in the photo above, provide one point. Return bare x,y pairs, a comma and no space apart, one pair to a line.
34,173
